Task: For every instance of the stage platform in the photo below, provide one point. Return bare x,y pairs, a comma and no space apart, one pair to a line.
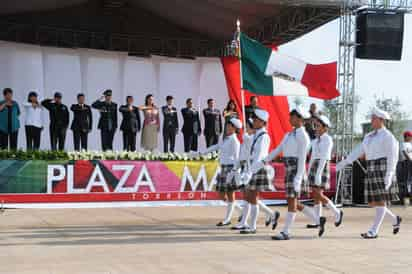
185,240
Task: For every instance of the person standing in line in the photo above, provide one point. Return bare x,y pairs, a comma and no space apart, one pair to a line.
130,124
151,124
250,109
33,121
319,173
9,121
59,121
294,146
170,125
405,167
191,126
381,151
213,123
228,113
108,119
82,122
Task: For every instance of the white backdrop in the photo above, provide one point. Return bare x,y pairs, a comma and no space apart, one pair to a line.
47,70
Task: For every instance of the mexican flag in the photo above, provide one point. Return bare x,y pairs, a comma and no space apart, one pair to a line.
265,71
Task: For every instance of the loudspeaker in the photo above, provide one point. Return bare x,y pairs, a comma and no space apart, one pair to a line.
379,35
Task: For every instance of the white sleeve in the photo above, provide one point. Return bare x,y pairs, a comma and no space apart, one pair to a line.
211,149
321,166
303,143
356,153
392,154
274,153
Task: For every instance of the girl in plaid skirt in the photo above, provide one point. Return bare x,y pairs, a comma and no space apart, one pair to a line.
319,176
381,151
229,153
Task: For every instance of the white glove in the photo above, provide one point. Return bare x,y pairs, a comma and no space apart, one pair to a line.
257,166
388,181
297,182
341,165
318,180
245,178
231,176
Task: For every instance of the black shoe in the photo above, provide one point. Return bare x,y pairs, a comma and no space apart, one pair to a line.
275,220
239,218
223,224
322,226
268,220
312,226
281,237
398,225
338,222
369,235
239,227
248,231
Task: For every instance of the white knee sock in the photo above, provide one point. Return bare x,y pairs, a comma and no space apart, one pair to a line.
245,214
229,212
333,207
254,213
265,208
290,218
238,207
393,216
380,214
318,212
308,212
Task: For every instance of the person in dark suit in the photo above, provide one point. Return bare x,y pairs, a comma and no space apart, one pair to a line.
59,120
170,125
213,123
82,122
250,109
191,126
130,124
108,119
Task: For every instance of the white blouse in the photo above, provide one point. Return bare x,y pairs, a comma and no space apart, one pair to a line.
322,151
259,149
406,147
245,147
33,116
229,150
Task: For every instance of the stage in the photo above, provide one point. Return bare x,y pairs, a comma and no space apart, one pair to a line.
185,240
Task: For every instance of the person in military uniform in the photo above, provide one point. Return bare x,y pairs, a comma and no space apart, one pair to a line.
191,126
59,120
213,123
108,119
170,125
250,109
130,124
82,122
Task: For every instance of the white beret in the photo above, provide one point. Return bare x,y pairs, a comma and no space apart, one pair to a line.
325,120
236,122
381,114
262,114
302,112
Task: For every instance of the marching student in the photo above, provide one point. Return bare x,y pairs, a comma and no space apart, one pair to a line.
259,179
244,165
319,175
405,167
229,153
381,151
294,146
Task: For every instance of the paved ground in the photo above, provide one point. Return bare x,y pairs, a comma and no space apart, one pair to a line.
185,240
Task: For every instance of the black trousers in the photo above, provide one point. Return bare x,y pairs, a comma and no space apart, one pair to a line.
107,137
7,139
58,138
190,142
33,137
169,140
211,139
80,139
129,140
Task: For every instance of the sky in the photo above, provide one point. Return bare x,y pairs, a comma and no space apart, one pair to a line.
387,78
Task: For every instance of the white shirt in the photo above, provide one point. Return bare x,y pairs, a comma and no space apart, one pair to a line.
406,147
294,144
229,150
259,151
322,151
245,147
378,144
33,116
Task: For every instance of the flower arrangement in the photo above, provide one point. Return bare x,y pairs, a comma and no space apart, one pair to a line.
104,155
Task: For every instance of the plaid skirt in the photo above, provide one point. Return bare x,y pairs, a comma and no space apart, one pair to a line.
259,181
221,181
291,166
375,183
325,176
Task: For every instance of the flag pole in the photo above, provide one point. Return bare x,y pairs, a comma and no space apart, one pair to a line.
242,91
